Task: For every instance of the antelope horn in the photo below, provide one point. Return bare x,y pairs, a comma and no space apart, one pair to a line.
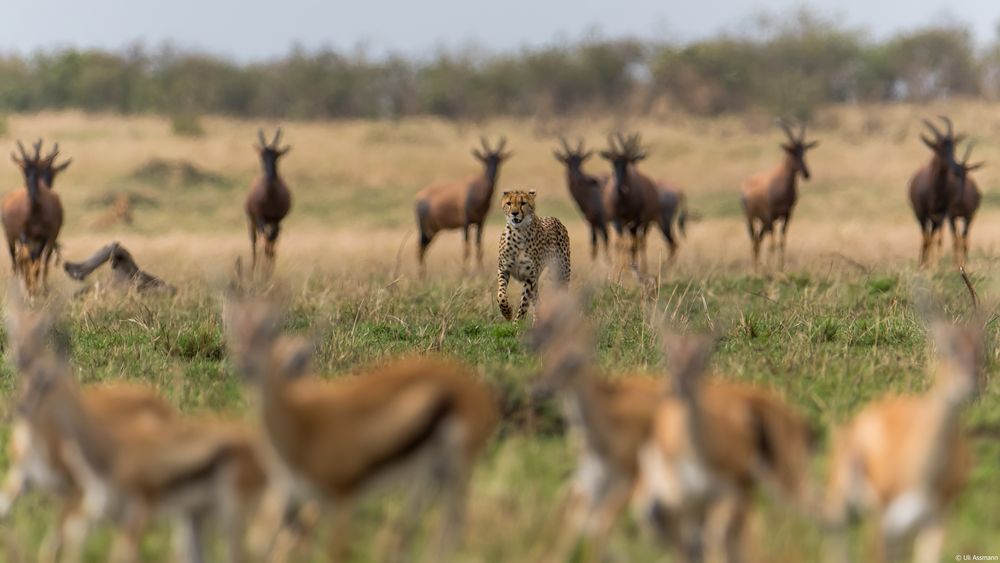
501,144
802,131
277,137
623,142
968,153
787,129
485,143
579,145
611,143
24,154
53,153
937,134
263,141
38,149
947,122
565,145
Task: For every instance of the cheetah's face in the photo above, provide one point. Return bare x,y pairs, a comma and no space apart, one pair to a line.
519,206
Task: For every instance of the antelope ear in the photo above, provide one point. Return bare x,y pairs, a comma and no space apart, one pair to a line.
606,155
559,156
63,166
930,144
479,156
787,148
975,166
811,145
586,155
284,151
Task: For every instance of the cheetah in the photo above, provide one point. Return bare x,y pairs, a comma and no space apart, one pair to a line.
527,245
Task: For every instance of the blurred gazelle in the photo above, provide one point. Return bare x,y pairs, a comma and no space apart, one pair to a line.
332,442
608,421
143,466
35,450
905,457
711,443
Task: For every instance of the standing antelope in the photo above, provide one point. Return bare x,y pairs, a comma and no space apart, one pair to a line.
37,459
964,202
905,457
268,201
633,200
587,192
462,204
710,445
608,421
770,196
332,442
135,461
33,217
930,190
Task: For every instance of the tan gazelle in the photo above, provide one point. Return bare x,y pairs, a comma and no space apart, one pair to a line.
711,444
904,458
35,448
127,471
608,420
421,420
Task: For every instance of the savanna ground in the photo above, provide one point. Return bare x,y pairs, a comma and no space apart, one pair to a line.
836,329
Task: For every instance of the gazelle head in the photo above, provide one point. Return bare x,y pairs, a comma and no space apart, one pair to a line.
943,144
962,169
572,158
491,157
258,350
270,153
561,337
796,147
960,358
628,152
687,359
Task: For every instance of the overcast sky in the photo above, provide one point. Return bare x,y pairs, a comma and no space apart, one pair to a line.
262,29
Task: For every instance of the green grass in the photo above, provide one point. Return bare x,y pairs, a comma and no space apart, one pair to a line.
828,343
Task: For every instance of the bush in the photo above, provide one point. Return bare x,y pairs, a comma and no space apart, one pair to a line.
186,125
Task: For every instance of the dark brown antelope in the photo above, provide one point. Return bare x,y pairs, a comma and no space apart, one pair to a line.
964,203
269,200
461,204
633,200
587,192
770,196
929,186
33,217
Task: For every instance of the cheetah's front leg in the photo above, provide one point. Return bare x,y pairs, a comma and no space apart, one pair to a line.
502,280
528,297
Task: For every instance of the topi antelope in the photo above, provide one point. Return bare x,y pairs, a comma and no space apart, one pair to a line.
710,445
333,442
33,217
587,192
462,204
930,186
141,463
905,459
608,421
36,447
963,204
633,200
268,201
769,196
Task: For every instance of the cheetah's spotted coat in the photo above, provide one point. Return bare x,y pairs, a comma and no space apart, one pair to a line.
527,245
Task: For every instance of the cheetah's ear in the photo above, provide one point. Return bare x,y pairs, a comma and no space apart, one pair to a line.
531,195
505,194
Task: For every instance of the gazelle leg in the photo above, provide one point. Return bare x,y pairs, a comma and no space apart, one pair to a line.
929,541
604,519
188,539
338,548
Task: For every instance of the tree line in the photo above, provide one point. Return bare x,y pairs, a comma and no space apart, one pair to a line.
788,65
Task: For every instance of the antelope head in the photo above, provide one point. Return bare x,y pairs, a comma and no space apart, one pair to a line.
796,146
943,144
51,169
270,153
626,153
962,169
572,158
32,167
491,157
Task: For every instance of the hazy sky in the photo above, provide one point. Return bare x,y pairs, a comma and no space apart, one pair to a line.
260,29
